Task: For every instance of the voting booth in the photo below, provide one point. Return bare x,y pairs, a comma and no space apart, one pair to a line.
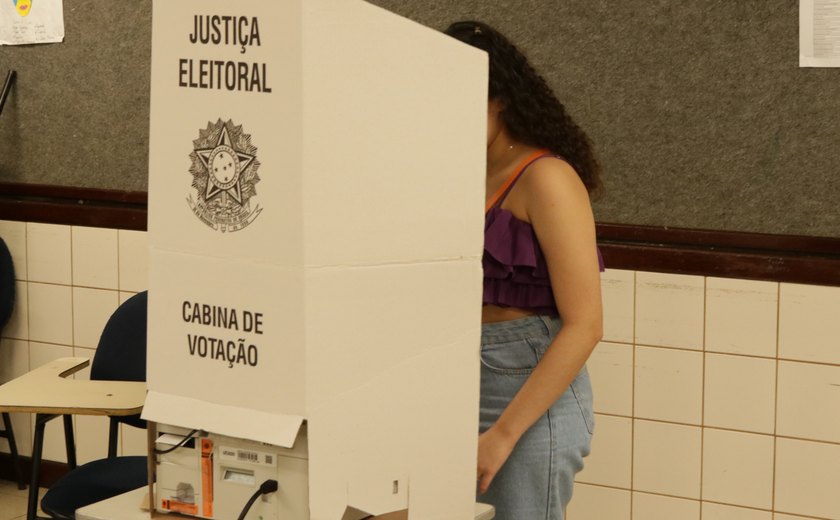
316,193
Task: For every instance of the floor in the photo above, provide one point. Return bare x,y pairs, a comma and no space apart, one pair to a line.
12,501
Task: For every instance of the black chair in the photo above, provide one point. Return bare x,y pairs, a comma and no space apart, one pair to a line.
7,305
120,356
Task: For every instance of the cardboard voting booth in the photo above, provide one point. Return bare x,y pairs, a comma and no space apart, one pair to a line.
315,225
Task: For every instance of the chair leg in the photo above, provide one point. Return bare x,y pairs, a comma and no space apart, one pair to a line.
69,442
113,437
37,450
10,435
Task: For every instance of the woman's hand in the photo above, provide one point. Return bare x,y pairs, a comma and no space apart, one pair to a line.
494,448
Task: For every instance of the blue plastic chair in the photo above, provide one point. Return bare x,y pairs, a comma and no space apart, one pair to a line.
7,306
120,356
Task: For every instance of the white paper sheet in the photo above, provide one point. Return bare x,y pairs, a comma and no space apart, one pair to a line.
819,33
31,21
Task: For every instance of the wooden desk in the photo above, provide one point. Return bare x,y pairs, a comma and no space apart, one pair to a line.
47,393
128,507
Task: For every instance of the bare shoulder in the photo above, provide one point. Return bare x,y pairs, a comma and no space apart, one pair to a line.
552,181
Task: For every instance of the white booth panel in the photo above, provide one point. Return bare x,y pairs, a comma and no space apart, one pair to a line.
395,137
256,160
227,332
364,321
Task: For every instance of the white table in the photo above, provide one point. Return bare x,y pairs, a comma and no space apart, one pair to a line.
47,393
128,506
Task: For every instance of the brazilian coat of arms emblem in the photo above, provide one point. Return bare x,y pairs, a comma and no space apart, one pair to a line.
224,171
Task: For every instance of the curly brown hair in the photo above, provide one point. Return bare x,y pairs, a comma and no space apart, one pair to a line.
531,112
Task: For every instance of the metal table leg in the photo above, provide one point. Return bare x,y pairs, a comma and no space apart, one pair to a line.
41,421
70,442
9,434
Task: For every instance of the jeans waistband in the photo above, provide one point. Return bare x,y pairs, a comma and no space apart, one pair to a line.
503,331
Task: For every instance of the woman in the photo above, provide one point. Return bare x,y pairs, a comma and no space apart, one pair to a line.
542,301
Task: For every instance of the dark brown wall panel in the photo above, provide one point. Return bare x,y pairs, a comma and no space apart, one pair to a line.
784,258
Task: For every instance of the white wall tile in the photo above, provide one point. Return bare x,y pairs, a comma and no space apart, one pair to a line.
809,401
91,438
18,325
808,326
133,440
22,429
713,511
14,359
611,371
95,257
48,253
134,261
668,385
685,312
14,235
598,503
610,462
740,393
657,507
125,295
669,310
14,362
50,313
738,468
807,478
43,353
91,310
88,353
54,447
618,289
666,458
91,431
741,316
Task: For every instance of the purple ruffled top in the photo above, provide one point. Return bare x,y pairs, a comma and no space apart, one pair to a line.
515,270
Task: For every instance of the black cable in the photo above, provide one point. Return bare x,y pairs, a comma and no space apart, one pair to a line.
269,486
185,440
7,87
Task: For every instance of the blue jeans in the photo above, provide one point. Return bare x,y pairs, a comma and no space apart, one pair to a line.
536,481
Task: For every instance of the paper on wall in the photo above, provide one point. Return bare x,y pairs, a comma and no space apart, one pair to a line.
31,21
819,33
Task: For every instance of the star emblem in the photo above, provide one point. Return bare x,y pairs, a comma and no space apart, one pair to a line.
225,166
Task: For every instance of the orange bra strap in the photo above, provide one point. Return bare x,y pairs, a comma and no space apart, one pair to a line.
513,177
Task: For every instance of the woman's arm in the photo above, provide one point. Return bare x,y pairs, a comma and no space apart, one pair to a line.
557,205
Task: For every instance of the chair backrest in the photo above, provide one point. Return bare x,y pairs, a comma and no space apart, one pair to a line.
7,285
121,353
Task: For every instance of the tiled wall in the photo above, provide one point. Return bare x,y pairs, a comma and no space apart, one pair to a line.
69,281
716,399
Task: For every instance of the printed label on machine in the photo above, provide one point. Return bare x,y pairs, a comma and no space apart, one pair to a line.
251,457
